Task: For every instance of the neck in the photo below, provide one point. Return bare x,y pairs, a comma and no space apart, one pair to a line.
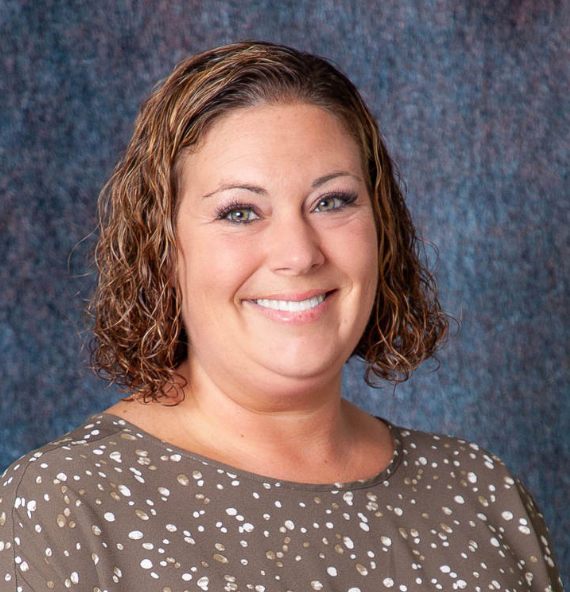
301,432
298,418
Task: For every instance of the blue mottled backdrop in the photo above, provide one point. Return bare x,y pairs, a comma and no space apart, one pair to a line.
473,98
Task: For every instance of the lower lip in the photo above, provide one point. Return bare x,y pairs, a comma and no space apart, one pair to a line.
301,317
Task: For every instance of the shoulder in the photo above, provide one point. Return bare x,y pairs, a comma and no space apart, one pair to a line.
461,470
451,453
103,449
463,481
56,462
47,498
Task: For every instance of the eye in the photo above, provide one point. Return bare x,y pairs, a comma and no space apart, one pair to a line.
241,215
335,201
237,214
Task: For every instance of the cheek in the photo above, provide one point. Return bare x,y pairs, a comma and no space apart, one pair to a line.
213,267
359,252
367,264
369,270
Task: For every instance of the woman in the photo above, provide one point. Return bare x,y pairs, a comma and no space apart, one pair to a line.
253,238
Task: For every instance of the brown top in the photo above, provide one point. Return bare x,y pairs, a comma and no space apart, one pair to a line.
111,508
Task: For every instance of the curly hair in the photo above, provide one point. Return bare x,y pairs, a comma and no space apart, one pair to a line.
139,337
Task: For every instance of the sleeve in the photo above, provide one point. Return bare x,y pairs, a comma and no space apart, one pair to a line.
7,554
36,552
543,573
13,564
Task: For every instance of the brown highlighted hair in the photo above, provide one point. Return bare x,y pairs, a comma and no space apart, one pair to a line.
139,335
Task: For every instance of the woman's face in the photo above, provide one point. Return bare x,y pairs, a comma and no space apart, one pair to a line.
277,261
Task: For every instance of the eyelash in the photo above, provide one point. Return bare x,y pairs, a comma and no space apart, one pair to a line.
347,199
224,211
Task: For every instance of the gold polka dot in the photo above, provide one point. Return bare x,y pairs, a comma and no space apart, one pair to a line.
183,480
361,569
142,515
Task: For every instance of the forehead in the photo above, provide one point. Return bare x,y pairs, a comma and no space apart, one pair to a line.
300,136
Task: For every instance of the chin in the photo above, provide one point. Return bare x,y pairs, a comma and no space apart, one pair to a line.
306,366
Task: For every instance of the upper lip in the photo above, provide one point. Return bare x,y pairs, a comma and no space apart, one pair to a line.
293,296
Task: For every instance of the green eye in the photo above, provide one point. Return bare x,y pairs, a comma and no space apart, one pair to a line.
243,215
329,203
238,214
335,201
326,204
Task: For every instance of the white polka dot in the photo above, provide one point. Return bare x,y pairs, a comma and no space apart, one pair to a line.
135,535
146,563
124,490
349,544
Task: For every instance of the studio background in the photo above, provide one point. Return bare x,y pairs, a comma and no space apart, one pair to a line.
472,97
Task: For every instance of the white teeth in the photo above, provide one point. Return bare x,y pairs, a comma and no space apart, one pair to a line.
291,305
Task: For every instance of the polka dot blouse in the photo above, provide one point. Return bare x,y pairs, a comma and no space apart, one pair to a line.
111,508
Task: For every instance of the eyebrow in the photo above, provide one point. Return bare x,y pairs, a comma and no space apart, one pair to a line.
260,191
322,180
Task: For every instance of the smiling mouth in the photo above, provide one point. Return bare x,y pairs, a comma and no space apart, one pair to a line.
291,305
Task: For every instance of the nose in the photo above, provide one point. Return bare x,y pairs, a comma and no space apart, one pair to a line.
293,245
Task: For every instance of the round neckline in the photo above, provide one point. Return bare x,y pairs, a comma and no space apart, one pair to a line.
383,475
